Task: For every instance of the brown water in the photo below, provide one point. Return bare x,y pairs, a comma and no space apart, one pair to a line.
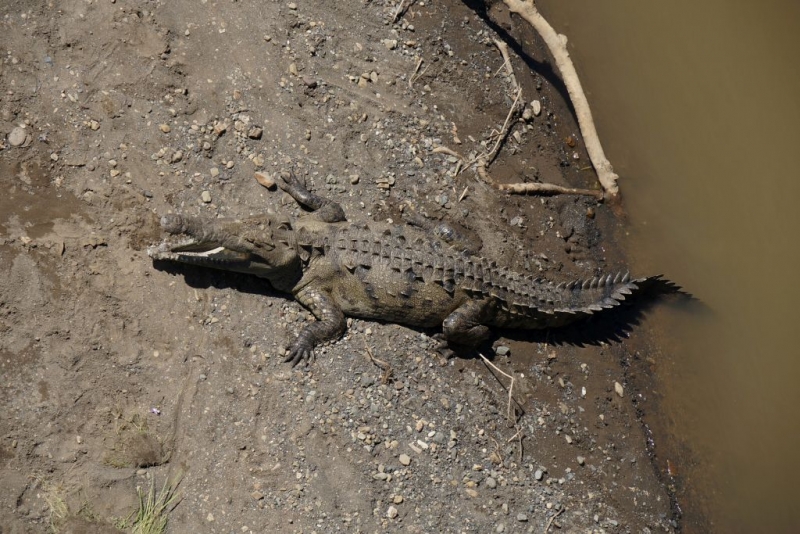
698,106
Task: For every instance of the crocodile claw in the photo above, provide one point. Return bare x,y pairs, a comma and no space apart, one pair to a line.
298,353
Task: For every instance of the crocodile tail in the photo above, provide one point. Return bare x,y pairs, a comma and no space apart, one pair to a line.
570,301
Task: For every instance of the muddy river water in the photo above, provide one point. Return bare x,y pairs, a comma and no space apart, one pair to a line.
698,107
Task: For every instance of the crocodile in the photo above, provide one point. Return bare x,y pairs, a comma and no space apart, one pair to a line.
380,271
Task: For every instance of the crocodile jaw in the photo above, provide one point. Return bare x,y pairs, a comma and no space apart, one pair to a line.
197,253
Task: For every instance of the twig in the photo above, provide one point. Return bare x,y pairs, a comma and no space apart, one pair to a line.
387,369
550,189
558,48
504,130
510,387
416,70
552,518
401,10
484,160
507,63
448,151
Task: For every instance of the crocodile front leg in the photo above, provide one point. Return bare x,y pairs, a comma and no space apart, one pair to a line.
324,209
464,326
330,324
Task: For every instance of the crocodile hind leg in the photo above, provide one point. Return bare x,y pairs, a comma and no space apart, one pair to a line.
464,326
330,324
324,209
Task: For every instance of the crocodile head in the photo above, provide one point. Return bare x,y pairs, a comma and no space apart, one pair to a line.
259,246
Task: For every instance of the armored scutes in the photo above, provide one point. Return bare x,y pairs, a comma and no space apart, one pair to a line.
400,274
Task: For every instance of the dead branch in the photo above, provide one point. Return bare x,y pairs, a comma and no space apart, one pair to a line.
550,189
558,48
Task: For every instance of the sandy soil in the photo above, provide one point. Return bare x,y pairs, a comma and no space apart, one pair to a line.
115,375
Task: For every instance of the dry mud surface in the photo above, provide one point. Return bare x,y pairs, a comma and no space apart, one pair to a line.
115,374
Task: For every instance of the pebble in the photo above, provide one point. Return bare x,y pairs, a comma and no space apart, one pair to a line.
176,156
17,136
405,459
255,132
581,460
491,483
292,6
214,172
538,474
502,350
392,512
536,107
164,128
522,517
205,196
619,389
391,44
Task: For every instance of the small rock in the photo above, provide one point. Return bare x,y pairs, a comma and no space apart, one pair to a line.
176,156
527,114
220,128
94,125
214,172
265,179
210,517
164,128
536,107
293,69
491,483
619,389
54,156
392,512
17,136
354,178
581,460
538,475
205,196
502,350
397,499
391,44
522,517
500,528
255,132
405,459
292,6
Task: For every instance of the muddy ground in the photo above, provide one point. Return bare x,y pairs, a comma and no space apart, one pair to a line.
116,374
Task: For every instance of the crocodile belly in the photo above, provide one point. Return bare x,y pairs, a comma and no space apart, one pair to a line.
381,293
